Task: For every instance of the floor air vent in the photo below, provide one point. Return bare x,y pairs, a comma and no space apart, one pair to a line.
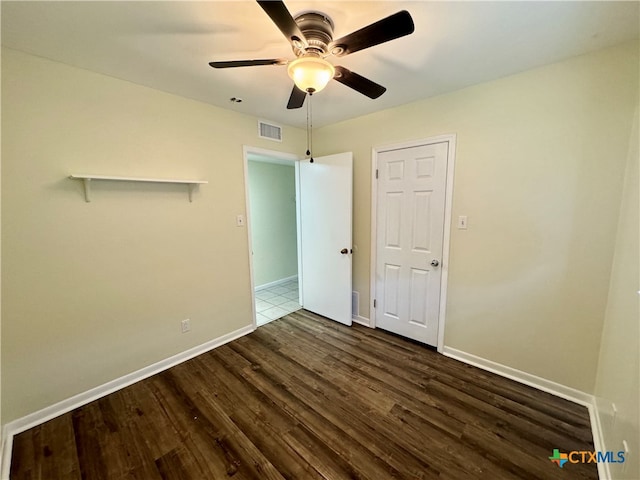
269,131
355,304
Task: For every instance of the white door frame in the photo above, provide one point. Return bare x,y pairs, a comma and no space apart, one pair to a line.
246,150
375,151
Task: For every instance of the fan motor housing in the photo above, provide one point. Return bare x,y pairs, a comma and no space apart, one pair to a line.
317,28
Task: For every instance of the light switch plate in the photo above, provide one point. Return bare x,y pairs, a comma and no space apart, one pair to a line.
462,222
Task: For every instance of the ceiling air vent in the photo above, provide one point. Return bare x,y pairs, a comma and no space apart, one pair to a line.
269,131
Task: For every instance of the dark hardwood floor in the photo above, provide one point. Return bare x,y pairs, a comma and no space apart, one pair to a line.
307,398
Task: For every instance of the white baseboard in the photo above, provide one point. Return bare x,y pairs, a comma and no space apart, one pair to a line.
64,406
275,283
361,320
534,381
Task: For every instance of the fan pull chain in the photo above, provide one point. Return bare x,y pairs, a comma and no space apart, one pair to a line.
308,145
310,128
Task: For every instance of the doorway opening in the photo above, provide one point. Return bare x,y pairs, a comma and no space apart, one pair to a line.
272,224
323,205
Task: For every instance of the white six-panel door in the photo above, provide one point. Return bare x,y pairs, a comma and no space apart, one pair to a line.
409,231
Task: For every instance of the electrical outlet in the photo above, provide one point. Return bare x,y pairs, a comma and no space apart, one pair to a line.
185,325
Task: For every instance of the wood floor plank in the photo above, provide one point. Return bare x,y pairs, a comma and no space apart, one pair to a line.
47,451
433,451
333,404
305,398
142,417
240,449
135,436
369,463
214,455
89,430
395,375
381,386
23,462
328,462
263,422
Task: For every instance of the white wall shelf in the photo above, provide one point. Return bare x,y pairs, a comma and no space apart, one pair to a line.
87,179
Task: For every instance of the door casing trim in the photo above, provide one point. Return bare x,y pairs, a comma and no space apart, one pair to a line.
451,154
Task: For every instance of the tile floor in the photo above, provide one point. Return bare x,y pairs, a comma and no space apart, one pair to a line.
276,302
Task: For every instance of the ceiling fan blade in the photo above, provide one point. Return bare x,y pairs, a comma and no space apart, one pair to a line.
296,100
359,83
279,14
248,63
394,26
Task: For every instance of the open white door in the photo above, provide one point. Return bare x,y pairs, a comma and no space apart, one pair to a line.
324,220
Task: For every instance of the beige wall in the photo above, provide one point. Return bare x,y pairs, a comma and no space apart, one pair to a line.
93,291
272,195
618,380
539,169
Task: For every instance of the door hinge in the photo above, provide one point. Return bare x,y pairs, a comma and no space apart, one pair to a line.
376,173
374,303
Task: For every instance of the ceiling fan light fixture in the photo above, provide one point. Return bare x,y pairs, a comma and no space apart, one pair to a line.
311,74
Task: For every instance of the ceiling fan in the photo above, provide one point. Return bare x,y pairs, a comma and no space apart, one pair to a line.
311,36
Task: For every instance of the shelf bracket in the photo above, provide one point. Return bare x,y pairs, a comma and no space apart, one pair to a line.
87,189
191,187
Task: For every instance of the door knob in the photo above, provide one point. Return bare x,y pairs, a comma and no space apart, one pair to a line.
344,251
435,263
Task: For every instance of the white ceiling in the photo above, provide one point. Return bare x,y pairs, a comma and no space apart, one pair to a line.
167,45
